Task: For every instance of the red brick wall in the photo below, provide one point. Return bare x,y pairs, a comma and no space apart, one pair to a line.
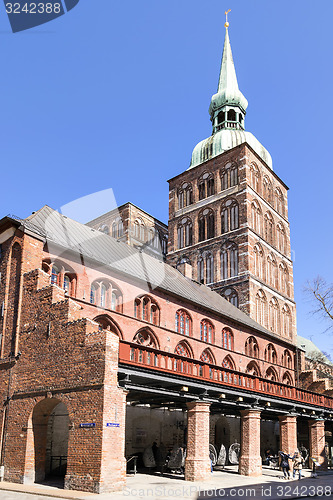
246,283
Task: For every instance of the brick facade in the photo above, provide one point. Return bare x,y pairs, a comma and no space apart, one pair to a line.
250,460
317,441
288,434
53,350
197,465
260,235
134,226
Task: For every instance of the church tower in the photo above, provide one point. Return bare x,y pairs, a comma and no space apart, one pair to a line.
228,215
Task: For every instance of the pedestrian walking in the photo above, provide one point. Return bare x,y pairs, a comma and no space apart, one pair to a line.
297,464
285,464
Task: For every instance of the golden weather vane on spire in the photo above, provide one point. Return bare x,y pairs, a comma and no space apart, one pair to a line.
226,18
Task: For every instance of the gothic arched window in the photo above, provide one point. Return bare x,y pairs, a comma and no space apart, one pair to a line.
93,292
281,237
270,354
206,221
185,195
268,190
286,321
231,296
287,379
183,323
201,275
183,349
227,339
229,260
287,360
283,278
255,177
256,217
207,331
146,309
253,369
271,277
117,228
229,176
114,230
258,261
233,175
145,338
207,357
251,347
185,233
139,230
229,216
209,268
271,374
261,304
206,186
269,228
106,294
55,275
279,201
61,275
274,319
228,363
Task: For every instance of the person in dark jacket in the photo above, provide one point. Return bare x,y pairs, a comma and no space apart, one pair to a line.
284,463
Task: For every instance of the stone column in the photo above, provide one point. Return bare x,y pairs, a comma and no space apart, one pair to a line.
317,441
250,463
288,433
197,464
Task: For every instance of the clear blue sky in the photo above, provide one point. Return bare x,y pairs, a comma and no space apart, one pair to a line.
116,95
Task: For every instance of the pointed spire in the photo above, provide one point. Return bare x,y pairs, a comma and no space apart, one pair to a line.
228,106
228,78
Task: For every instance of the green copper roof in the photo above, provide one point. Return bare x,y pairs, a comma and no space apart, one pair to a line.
224,140
227,134
228,91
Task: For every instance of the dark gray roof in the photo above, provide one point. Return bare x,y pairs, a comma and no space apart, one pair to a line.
59,230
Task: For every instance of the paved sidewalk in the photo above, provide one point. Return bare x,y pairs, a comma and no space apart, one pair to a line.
156,487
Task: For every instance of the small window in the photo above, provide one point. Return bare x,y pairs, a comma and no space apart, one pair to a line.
93,294
103,295
113,301
55,273
67,283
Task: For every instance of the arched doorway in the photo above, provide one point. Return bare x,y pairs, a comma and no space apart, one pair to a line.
47,440
57,442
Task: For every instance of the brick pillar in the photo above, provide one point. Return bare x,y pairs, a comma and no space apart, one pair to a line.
288,433
317,441
250,460
197,464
